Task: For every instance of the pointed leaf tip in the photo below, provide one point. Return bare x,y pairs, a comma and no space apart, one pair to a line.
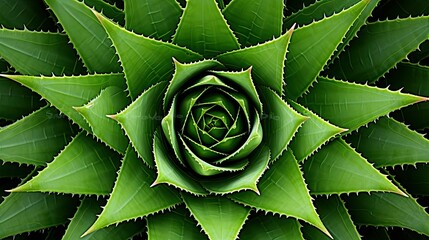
114,117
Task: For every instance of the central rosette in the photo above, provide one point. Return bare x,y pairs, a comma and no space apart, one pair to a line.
213,125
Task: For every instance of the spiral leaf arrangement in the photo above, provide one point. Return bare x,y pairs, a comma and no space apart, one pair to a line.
214,119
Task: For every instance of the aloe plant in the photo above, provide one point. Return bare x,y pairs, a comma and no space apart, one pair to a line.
213,119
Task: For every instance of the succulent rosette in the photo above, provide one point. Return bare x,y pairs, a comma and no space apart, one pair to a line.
187,119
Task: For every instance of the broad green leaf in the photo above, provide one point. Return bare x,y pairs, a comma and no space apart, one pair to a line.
36,138
25,212
141,118
379,47
36,53
203,29
411,78
244,82
87,214
14,170
145,61
111,11
283,191
271,227
335,217
312,134
388,209
66,92
266,60
278,117
351,105
361,21
132,196
255,21
87,35
153,18
176,224
321,9
170,171
337,168
25,14
111,100
219,217
16,100
83,167
390,143
243,180
413,178
183,74
313,45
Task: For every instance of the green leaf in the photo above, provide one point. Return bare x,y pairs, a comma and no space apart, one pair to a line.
283,191
388,209
335,217
413,178
255,21
271,227
243,180
278,117
321,9
111,100
16,100
203,29
313,45
25,212
337,168
411,78
183,74
350,105
86,215
390,143
176,224
379,47
312,134
170,171
83,167
145,61
244,82
132,196
48,53
153,18
267,61
67,92
141,118
219,217
36,138
25,14
87,35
